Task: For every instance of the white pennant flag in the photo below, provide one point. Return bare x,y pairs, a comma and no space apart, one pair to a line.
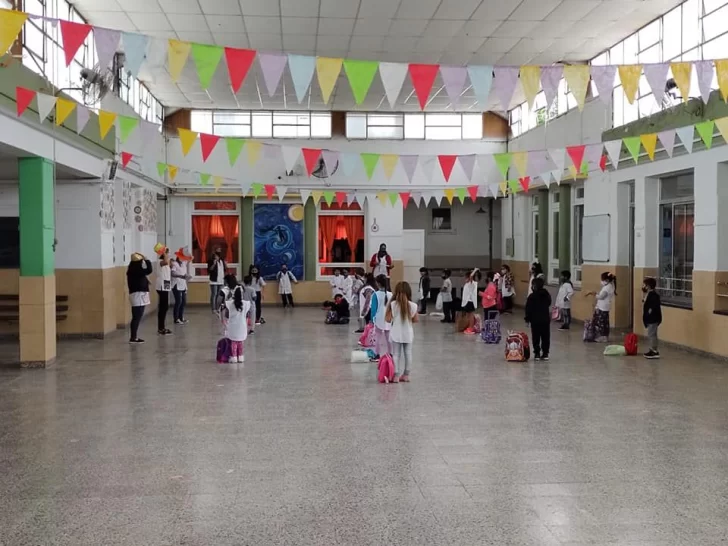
546,177
393,75
416,198
305,194
687,136
281,192
494,189
427,165
45,105
557,174
667,138
704,70
82,117
558,156
614,149
290,156
351,198
245,187
107,43
656,76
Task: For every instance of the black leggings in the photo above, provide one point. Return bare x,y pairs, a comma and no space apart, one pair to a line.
259,306
136,318
541,338
162,309
287,300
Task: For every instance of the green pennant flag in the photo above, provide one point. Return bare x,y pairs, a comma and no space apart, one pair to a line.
204,179
503,162
633,145
161,169
705,130
361,75
329,197
126,125
461,193
585,168
514,186
234,147
257,189
393,198
206,57
370,163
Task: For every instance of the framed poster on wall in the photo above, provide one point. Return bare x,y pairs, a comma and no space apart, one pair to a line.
278,238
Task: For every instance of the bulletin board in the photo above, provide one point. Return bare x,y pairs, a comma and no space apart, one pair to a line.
595,238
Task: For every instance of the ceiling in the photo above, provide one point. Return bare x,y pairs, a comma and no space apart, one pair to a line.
456,32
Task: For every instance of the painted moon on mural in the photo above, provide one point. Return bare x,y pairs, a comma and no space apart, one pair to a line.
295,213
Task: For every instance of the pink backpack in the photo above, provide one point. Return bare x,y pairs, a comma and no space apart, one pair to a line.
368,338
386,369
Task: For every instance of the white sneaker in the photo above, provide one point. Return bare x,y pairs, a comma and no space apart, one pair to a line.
241,359
233,360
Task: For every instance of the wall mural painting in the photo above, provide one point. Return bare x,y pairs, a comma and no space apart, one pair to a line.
278,239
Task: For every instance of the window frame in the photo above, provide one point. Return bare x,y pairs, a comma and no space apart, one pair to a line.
235,268
330,265
554,218
534,228
577,260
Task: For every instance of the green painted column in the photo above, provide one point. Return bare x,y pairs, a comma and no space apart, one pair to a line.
310,241
543,228
564,227
37,223
247,234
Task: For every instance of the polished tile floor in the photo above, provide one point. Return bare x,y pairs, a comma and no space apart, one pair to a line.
158,445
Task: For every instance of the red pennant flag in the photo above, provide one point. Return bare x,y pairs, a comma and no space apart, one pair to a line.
74,34
603,163
405,197
473,191
238,62
311,157
207,144
125,158
270,190
23,98
340,197
525,182
423,76
576,153
447,162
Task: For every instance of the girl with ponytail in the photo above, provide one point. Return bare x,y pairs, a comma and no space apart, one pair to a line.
401,313
236,327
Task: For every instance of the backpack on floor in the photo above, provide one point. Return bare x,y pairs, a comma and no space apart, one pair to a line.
518,348
224,351
491,332
368,338
386,369
332,317
589,332
630,344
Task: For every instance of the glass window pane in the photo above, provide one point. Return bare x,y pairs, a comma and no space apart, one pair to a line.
649,35
601,59
291,131
690,27
321,125
712,5
616,54
34,40
231,117
443,133
386,132
715,24
290,118
233,130
356,126
677,187
262,125
630,50
414,126
714,50
672,27
385,119
473,126
443,120
650,55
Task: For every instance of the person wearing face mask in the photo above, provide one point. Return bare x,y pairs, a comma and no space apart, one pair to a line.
285,290
507,289
651,315
605,297
258,284
381,263
337,283
446,291
216,270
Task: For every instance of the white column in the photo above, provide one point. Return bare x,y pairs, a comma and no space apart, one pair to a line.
708,201
646,222
383,224
722,223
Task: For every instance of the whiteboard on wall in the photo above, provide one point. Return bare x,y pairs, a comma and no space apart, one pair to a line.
595,238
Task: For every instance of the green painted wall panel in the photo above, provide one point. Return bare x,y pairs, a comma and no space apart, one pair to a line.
564,226
543,228
247,234
37,223
310,243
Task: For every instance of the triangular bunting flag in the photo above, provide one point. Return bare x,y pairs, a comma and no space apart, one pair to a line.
423,76
301,68
558,156
351,198
503,162
161,169
253,149
393,197
204,179
186,138
389,163
550,78
135,49
311,157
704,71
290,157
305,194
721,74
538,162
404,196
520,162
449,194
504,85
382,197
238,62
317,196
667,138
633,146
614,150
45,106
681,73
392,75
603,163
350,162
11,22
23,96
656,76
272,65
409,164
173,170
649,143
125,158
447,162
340,197
603,78
107,43
687,137
546,177
503,187
270,190
82,117
256,188
282,193
327,71
126,125
74,34
234,147
177,53
530,82
525,183
706,129
467,163
629,75
370,163
576,153
557,174
577,77
206,58
454,79
331,160
207,144
514,186
217,182
427,166
473,192
245,187
461,194
481,78
494,188
722,125
360,74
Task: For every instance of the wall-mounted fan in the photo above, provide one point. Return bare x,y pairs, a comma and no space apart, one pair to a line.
321,171
96,82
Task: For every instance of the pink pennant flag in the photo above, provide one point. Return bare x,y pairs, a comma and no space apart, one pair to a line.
603,77
447,162
550,79
656,76
467,162
107,43
271,151
82,117
409,164
454,79
576,153
504,84
538,162
667,138
272,65
704,71
593,153
74,34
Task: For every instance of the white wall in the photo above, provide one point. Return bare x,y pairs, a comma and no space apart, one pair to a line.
9,205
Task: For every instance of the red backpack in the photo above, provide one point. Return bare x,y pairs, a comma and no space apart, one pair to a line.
386,369
630,344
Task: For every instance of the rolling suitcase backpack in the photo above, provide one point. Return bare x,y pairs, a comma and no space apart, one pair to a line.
518,348
491,332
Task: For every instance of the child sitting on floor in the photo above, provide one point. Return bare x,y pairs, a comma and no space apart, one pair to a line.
338,310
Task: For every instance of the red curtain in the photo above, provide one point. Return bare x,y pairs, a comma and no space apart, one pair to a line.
354,232
327,235
201,230
229,230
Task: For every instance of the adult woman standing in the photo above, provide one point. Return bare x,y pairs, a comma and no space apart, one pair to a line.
180,276
138,284
381,264
164,287
216,269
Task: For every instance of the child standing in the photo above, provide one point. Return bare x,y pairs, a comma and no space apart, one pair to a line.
337,283
285,278
563,300
258,284
250,295
423,293
507,289
180,276
163,284
651,315
446,291
489,299
236,328
401,314
605,296
538,315
365,301
382,327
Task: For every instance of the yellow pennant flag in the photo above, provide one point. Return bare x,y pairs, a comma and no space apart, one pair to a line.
317,196
503,187
531,82
327,70
106,122
217,182
383,198
10,24
649,141
629,75
721,73
177,53
520,162
722,125
186,138
64,108
172,172
577,77
253,148
681,75
449,195
389,163
572,171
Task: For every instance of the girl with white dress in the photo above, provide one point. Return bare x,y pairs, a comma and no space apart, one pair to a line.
401,314
605,297
236,326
